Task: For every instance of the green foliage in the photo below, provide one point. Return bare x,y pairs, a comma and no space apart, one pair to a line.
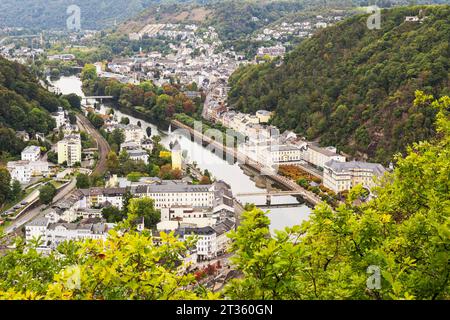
74,100
353,87
143,208
44,14
128,266
5,189
149,102
83,181
47,193
24,106
404,231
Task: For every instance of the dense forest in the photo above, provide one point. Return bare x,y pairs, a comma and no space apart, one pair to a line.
44,14
24,106
403,233
352,87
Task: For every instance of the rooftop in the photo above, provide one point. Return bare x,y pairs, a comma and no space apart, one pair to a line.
337,166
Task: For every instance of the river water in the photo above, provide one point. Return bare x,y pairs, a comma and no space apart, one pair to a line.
232,173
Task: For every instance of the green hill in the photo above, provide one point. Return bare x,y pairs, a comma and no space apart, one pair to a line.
24,106
45,14
353,87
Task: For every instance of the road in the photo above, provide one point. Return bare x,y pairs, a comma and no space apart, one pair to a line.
102,144
30,215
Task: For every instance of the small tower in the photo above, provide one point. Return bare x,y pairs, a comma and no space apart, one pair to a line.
177,156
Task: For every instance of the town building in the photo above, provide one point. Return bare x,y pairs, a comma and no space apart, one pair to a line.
69,150
53,234
31,153
20,171
138,155
341,176
60,117
173,193
318,156
263,116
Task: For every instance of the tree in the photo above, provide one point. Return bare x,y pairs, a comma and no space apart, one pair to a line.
144,208
5,183
125,120
74,100
47,193
89,72
125,266
52,157
16,190
117,137
134,176
205,180
72,117
83,181
112,214
112,162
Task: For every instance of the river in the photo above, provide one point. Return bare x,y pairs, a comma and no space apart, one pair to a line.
233,174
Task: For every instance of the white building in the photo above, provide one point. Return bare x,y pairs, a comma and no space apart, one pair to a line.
342,176
318,156
174,194
31,153
60,117
138,155
206,241
20,171
99,197
52,234
132,132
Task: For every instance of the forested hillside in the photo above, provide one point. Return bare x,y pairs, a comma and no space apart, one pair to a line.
353,87
44,14
24,105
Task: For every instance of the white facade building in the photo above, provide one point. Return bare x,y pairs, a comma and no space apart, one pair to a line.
20,171
31,153
319,156
177,194
342,176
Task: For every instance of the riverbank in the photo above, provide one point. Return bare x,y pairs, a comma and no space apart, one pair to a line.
238,177
308,196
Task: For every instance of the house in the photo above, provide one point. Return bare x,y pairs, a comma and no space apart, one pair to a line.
169,194
20,171
31,153
60,117
101,197
263,116
222,230
275,51
318,156
23,135
53,234
132,132
138,155
206,241
341,176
